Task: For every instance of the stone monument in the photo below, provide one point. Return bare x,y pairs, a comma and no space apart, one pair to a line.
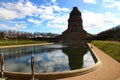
75,33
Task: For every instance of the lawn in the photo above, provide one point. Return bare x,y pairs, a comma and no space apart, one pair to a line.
111,48
19,42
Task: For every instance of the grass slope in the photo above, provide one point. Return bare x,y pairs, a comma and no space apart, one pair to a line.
109,47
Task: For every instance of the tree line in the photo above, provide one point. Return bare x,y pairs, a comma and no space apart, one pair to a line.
110,34
24,35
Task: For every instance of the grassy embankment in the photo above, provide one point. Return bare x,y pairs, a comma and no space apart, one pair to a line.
109,47
19,42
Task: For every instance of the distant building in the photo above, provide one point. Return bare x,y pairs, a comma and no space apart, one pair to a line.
75,33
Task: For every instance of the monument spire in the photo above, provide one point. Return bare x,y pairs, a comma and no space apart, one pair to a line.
75,12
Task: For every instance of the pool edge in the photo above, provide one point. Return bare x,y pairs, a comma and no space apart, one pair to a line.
57,75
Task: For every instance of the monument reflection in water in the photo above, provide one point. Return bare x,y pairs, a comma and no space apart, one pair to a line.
48,58
75,55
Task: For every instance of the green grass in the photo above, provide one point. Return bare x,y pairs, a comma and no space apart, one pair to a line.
109,47
19,42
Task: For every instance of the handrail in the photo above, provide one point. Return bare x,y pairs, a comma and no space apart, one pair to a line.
1,65
32,67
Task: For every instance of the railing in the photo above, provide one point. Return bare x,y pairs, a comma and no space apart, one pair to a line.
2,65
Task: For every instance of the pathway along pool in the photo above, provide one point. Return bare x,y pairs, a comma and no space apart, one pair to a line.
48,58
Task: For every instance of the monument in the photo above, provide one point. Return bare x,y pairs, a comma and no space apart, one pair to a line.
75,33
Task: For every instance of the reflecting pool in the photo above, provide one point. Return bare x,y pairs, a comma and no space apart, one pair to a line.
48,58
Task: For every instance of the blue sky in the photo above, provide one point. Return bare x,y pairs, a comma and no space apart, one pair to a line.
52,15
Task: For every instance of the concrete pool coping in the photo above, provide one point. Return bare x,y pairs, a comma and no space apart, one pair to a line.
56,75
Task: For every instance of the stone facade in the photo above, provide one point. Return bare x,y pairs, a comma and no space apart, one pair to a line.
75,33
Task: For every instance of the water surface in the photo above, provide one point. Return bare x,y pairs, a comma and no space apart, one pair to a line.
48,58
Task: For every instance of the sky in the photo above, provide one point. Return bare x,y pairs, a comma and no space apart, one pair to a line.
52,15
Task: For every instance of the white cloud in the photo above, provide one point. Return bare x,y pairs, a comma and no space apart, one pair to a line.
49,62
51,15
99,21
55,16
6,14
14,22
36,22
46,16
90,1
14,27
54,1
88,60
60,21
48,10
18,26
57,8
18,10
3,26
111,4
109,1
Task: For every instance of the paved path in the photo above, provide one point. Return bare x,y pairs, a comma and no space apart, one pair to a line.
110,69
